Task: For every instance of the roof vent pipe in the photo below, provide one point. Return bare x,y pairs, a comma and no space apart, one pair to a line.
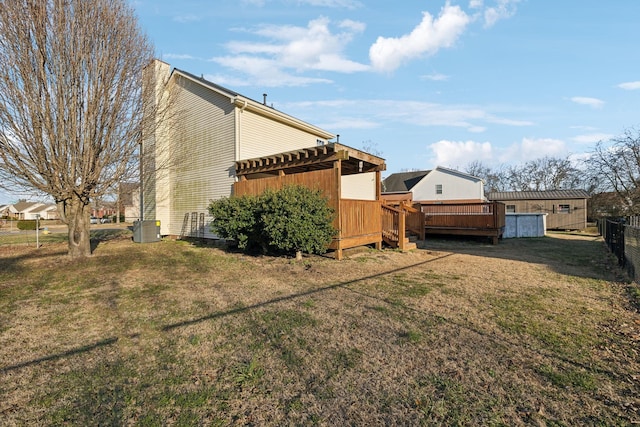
264,98
338,138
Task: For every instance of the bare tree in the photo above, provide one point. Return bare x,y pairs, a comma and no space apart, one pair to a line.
615,166
71,102
546,173
494,179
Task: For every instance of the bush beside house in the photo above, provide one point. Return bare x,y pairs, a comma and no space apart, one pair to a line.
294,219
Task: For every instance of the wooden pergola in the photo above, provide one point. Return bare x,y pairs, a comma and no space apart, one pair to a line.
333,155
358,222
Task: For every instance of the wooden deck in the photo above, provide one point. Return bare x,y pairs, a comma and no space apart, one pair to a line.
465,219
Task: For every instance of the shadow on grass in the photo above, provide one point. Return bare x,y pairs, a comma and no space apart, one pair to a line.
166,328
342,285
586,256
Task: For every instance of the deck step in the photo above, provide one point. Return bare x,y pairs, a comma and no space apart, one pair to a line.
409,245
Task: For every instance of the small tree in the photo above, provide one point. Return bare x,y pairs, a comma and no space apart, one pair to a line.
294,219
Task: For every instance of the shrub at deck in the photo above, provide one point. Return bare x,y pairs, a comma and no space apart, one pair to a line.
293,219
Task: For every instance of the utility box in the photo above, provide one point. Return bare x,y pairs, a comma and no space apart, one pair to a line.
146,231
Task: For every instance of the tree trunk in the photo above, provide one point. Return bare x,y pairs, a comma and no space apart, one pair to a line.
76,215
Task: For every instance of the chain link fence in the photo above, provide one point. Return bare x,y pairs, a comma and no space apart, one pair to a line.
11,235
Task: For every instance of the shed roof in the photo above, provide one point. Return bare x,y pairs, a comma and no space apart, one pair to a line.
537,195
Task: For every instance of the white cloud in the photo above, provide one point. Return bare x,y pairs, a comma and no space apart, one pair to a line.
348,4
177,56
261,72
436,77
292,49
592,138
502,10
431,35
185,19
630,85
475,4
591,102
423,114
532,148
457,154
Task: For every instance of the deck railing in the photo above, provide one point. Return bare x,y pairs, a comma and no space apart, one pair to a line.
393,225
397,221
465,215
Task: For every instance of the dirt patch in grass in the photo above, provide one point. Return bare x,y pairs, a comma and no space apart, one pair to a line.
528,332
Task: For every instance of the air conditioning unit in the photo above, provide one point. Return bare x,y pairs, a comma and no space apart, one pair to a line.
146,231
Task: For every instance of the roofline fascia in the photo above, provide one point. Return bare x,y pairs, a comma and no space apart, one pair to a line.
200,82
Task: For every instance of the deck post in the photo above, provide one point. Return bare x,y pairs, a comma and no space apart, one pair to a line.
402,229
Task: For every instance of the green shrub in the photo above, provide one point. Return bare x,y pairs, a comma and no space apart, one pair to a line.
297,219
27,224
236,218
290,220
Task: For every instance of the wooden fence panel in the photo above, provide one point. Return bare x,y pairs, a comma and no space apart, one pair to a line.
323,180
360,217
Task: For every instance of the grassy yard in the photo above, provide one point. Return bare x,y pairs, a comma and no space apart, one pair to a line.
528,332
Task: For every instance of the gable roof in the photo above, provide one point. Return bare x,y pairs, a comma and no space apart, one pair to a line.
252,105
537,195
24,206
458,173
405,181
402,181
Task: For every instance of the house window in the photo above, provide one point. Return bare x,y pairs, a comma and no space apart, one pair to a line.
438,188
510,208
564,209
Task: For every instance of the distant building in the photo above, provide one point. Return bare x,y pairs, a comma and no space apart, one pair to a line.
565,209
437,186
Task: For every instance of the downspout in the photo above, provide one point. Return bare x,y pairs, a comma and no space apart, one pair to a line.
239,128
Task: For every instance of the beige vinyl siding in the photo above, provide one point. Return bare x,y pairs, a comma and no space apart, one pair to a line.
204,146
260,136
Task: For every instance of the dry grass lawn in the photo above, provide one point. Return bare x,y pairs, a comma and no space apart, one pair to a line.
528,332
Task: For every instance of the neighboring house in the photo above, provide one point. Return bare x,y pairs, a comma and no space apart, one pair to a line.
48,211
195,151
31,210
129,201
565,209
23,209
437,186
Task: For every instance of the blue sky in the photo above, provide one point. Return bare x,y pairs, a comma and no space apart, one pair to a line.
424,83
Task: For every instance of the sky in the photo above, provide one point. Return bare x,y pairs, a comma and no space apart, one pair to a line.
421,83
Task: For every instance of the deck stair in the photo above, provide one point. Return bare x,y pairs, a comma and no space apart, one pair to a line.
397,224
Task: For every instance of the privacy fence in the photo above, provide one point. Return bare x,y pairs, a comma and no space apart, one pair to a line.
622,236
